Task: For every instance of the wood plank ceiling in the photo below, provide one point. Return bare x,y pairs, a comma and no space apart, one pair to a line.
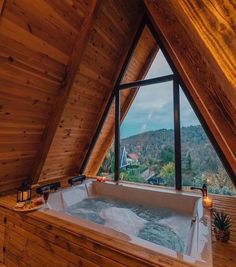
103,57
47,125
36,41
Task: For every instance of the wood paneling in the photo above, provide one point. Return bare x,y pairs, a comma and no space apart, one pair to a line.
62,99
46,129
140,62
110,38
38,239
2,236
36,40
2,5
201,42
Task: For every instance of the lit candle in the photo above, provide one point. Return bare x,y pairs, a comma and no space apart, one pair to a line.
207,202
25,196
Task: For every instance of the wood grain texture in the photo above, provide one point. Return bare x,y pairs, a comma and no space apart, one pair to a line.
62,99
215,22
140,62
45,129
111,36
200,61
38,239
2,5
33,59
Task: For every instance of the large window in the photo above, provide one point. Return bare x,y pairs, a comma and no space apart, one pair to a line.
158,139
147,137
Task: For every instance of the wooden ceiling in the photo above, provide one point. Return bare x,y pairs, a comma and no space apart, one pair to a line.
59,61
36,41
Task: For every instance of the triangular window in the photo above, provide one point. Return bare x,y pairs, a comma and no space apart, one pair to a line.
156,136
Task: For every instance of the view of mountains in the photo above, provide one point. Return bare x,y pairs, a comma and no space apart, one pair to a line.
154,154
194,144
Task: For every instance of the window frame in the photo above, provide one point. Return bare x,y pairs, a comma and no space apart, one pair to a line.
177,82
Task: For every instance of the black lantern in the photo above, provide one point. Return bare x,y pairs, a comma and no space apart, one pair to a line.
24,192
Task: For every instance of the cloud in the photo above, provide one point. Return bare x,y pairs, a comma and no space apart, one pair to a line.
144,126
152,107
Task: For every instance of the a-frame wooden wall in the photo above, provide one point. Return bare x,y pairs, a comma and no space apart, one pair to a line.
59,63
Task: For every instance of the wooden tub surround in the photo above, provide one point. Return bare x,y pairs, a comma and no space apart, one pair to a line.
38,239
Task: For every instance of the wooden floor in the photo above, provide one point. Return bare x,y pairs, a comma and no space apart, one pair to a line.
224,255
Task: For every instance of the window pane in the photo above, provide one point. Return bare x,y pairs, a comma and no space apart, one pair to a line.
200,163
147,136
107,167
159,67
147,59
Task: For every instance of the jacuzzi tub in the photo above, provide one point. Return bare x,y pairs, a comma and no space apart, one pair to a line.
197,226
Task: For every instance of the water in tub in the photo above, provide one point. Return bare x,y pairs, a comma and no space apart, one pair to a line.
161,226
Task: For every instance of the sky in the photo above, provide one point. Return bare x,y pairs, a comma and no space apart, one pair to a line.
152,108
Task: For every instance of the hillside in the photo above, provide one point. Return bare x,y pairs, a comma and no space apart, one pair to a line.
155,151
159,146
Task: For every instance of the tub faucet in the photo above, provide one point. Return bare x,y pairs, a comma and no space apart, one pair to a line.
203,189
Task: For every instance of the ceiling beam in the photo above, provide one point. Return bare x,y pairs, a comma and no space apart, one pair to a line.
2,6
201,82
71,70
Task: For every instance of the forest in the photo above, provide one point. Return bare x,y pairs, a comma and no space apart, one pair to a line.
155,152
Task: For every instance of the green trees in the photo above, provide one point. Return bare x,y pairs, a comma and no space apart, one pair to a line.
167,154
168,173
188,164
107,167
155,150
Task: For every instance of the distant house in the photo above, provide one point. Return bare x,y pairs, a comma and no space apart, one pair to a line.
155,180
132,159
127,159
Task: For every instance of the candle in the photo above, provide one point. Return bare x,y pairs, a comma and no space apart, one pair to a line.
25,196
207,202
101,179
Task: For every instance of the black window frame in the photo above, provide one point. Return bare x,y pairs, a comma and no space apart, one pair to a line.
177,82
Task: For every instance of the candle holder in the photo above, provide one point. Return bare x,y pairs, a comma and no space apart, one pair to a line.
23,192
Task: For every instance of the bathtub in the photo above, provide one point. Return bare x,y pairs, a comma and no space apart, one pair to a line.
198,249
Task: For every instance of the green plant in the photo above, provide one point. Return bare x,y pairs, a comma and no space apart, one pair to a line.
221,221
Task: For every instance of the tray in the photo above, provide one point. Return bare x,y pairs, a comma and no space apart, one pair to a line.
27,209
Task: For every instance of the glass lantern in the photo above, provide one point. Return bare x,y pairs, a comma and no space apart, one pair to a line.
24,192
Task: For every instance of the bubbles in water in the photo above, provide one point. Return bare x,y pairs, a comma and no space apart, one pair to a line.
161,226
123,220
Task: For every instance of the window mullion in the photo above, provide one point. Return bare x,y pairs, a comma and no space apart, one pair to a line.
117,136
178,174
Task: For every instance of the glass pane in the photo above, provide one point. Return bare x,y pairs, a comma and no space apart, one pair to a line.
200,162
159,67
147,137
107,167
147,60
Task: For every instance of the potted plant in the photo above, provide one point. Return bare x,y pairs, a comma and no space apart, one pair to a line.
221,226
